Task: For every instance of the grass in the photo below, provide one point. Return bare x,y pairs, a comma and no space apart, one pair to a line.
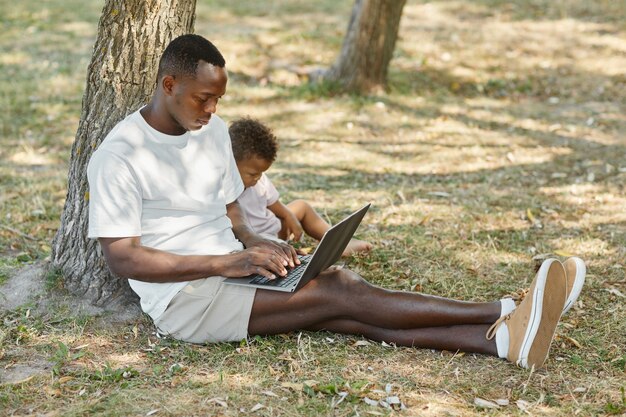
495,110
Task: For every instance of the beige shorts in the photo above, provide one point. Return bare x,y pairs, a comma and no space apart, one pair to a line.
208,311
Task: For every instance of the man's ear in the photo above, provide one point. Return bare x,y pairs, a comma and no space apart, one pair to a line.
167,83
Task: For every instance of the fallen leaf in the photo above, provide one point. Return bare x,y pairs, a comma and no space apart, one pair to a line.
522,405
424,220
151,412
81,346
361,343
573,341
177,380
615,291
53,392
439,194
393,400
532,219
293,385
218,401
64,379
370,402
479,402
563,253
269,393
257,407
502,401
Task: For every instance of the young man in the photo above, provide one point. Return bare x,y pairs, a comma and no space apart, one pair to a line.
163,190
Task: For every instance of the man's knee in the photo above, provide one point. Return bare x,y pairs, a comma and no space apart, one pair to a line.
341,280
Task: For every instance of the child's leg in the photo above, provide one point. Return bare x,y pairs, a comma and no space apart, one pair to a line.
311,222
315,226
356,245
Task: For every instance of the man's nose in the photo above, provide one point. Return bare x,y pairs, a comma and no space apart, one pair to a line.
211,107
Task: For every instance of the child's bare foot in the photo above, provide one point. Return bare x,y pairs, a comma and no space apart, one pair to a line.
356,245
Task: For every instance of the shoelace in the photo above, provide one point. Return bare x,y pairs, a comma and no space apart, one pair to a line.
518,296
491,332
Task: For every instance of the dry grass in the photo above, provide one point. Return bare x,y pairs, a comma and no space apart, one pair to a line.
495,108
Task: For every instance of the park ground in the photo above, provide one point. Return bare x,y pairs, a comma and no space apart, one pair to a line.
501,138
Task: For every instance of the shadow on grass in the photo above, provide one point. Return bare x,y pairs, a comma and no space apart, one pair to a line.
540,10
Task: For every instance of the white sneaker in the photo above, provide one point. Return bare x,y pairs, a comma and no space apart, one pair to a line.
575,270
532,324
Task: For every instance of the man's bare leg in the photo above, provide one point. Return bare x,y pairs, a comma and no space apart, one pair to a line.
464,337
341,301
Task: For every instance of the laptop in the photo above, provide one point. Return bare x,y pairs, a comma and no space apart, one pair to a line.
328,251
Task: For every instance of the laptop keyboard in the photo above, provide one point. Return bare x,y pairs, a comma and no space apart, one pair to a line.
293,275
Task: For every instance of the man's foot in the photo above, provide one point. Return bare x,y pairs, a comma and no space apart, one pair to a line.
529,329
575,270
356,245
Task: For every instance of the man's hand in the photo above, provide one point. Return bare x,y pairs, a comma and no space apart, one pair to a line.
261,260
279,252
283,252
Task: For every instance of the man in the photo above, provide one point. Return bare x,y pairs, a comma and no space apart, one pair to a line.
163,187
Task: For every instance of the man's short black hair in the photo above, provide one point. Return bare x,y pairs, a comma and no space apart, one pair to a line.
252,138
182,55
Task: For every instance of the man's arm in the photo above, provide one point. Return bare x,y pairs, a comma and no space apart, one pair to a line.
247,236
127,258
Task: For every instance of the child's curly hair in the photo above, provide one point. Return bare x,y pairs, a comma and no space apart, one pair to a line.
252,138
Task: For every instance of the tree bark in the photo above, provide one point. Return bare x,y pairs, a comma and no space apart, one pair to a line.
132,34
368,46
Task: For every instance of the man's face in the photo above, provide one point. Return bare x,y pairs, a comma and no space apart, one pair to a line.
251,169
192,100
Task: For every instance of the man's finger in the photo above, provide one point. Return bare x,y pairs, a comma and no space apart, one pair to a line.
267,274
291,254
275,263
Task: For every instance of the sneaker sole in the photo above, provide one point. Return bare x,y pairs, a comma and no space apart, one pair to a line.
579,281
549,290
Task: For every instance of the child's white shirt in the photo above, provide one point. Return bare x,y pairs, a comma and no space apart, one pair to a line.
255,200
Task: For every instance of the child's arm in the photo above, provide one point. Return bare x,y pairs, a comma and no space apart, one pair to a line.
289,220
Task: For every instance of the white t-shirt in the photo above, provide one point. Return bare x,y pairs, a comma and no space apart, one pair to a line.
254,201
171,191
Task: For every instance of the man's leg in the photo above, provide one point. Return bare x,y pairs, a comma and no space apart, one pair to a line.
464,337
341,301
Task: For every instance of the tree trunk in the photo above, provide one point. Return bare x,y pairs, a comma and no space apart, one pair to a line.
368,46
132,34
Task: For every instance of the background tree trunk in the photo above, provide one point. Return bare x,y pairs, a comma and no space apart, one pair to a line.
121,77
368,46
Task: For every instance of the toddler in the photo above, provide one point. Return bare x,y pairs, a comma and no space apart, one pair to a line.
255,148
